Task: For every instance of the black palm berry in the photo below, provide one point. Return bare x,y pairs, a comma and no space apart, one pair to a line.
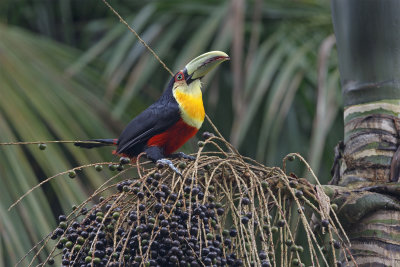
124,160
140,195
119,187
220,211
59,231
299,193
245,201
200,196
281,223
336,244
207,135
325,223
62,218
239,262
244,219
233,232
50,261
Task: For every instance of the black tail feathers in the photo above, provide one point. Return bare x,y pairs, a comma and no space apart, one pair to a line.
96,143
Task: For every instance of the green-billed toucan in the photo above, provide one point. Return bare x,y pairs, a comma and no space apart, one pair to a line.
167,124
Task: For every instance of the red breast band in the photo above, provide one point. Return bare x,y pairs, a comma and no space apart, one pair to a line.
174,137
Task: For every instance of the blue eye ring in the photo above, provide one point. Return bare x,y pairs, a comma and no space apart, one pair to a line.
179,76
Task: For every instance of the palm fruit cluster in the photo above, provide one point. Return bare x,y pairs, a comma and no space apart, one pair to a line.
153,226
160,221
225,210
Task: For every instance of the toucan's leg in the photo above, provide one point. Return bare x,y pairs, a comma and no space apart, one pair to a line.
167,162
155,154
181,155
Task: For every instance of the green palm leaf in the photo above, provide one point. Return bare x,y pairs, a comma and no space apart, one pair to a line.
39,102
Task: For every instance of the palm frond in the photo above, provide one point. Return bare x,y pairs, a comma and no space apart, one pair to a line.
38,102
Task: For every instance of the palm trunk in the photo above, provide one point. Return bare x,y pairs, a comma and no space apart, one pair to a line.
368,42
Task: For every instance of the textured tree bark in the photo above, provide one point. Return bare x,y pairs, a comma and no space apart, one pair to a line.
368,42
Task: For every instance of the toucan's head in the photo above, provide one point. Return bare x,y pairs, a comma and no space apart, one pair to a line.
199,67
186,86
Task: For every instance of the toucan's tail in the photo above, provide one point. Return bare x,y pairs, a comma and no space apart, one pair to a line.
96,143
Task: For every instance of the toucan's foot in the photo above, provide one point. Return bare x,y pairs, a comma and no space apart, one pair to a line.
182,155
167,162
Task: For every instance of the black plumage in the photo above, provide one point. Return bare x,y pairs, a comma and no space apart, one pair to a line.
154,120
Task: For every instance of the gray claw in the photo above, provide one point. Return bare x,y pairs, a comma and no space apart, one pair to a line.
167,162
184,156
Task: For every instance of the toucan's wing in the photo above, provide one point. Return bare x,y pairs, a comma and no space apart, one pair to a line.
152,121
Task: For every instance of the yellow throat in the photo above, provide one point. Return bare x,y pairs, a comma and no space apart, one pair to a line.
190,101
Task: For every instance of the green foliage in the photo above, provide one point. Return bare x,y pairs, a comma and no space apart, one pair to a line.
39,102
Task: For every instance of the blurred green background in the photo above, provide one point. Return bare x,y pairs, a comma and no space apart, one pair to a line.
70,70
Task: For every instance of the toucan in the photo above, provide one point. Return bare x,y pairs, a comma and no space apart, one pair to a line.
171,121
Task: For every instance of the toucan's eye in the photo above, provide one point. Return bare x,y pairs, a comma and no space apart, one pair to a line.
179,77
